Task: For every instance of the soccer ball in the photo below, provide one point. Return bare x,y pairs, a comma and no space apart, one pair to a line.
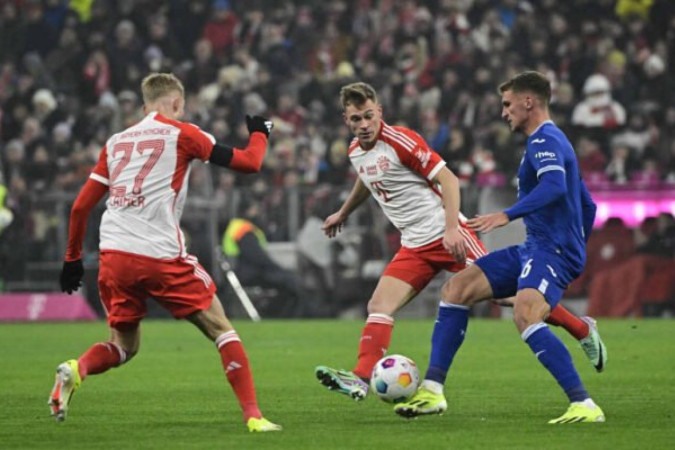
395,378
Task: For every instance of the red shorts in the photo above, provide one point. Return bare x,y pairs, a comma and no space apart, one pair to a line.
418,266
125,281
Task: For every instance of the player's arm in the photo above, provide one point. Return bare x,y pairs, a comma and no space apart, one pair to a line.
588,210
551,186
249,159
90,194
334,223
453,241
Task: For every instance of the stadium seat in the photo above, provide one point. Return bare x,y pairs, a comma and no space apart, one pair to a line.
622,290
607,247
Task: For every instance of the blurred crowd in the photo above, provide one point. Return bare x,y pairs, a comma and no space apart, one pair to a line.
70,74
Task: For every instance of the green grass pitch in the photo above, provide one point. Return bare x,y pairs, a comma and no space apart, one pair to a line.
173,395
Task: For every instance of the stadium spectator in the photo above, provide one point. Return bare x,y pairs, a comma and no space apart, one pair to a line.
635,53
538,271
147,165
220,27
592,160
622,164
244,244
598,112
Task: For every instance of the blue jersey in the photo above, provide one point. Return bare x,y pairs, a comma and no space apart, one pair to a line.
554,220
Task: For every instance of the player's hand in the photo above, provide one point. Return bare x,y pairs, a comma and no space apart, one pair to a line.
71,276
454,242
488,222
259,123
333,224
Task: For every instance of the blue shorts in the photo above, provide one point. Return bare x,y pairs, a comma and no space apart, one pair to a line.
512,269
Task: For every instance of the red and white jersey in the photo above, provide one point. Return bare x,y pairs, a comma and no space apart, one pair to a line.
146,169
398,171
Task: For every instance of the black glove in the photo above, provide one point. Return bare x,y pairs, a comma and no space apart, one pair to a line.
71,275
258,123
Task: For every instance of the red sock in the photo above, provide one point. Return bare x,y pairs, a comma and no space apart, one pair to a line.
238,372
99,358
561,317
375,339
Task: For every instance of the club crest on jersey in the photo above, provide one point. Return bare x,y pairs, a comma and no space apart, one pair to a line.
383,163
423,155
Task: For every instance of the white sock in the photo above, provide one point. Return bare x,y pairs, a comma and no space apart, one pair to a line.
433,386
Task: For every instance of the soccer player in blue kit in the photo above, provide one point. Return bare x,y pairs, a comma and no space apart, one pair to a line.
558,213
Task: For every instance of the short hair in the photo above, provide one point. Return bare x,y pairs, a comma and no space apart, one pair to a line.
529,81
157,85
357,94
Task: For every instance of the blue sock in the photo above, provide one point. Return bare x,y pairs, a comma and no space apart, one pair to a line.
553,354
448,336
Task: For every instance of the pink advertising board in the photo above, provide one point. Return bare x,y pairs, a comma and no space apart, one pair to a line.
44,306
633,206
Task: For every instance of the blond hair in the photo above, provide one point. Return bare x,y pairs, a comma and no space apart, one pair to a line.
157,85
357,94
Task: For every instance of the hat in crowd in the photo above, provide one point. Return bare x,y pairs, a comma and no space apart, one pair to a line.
345,70
654,65
595,84
46,98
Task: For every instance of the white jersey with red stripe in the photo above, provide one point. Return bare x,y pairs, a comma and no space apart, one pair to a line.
146,169
399,171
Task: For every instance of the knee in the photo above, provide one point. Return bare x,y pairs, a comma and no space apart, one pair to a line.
520,321
378,305
528,313
455,291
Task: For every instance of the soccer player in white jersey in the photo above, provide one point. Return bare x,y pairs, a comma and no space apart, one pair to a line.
420,196
145,171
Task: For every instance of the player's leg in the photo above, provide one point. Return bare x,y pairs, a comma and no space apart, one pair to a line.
408,273
191,295
216,326
389,296
562,317
541,285
124,311
99,358
458,294
529,312
585,330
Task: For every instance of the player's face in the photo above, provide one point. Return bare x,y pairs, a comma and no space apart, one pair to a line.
516,109
364,122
